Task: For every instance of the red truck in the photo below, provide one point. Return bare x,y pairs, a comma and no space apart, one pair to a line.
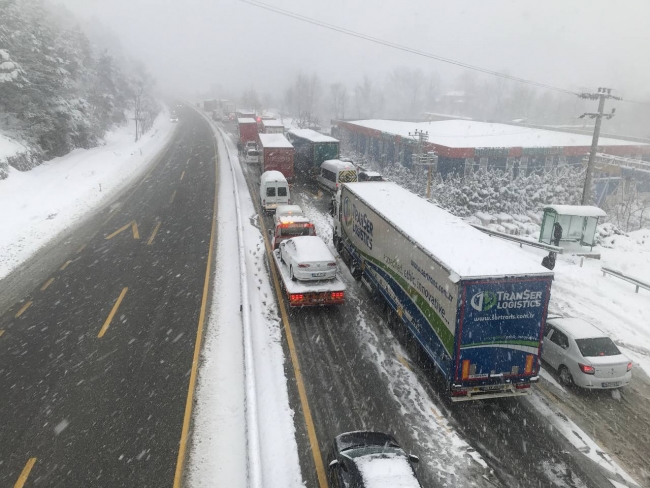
247,131
276,153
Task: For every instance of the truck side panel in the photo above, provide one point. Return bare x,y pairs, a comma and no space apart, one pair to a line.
416,287
500,329
279,159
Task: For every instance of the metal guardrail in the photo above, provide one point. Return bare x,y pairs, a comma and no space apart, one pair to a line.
519,240
629,279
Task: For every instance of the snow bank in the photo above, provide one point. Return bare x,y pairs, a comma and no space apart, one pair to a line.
607,302
219,449
41,203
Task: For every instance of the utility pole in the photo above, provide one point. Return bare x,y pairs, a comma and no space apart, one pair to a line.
419,157
601,96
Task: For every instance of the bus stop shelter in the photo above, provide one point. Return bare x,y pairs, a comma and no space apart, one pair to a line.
577,222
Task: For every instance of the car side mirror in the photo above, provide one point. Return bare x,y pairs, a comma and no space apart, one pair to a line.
336,464
414,459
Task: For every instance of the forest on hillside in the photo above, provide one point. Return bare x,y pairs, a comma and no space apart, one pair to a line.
60,91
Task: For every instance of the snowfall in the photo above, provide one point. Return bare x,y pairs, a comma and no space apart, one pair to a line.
50,200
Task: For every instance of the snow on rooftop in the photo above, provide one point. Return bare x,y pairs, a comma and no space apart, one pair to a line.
272,123
274,140
578,210
457,245
386,470
470,133
246,120
312,135
337,164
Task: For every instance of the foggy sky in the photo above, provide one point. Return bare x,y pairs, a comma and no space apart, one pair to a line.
190,45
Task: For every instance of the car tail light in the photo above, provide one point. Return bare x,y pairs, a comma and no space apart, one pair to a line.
331,265
586,369
629,366
264,202
529,364
289,201
303,265
296,297
338,295
522,386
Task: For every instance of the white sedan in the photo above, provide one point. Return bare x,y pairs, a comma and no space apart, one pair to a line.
308,259
583,355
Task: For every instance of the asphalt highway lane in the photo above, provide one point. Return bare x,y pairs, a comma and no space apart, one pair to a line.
94,372
350,361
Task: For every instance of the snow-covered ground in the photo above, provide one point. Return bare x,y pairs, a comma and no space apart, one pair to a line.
37,205
610,303
221,434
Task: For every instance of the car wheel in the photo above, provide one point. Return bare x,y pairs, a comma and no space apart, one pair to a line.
565,376
293,278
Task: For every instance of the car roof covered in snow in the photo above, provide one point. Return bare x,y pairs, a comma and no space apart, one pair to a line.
337,165
578,210
311,249
246,120
386,470
312,135
272,176
448,239
288,209
577,328
275,141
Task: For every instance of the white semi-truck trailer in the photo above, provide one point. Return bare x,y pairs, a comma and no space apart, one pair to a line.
476,305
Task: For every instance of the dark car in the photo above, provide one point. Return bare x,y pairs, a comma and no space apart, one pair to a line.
370,459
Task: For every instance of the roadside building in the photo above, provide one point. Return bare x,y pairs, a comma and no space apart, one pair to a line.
465,146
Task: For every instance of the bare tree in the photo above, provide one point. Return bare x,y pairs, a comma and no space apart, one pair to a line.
339,98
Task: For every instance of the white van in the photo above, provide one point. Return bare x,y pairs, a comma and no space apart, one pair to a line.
252,156
274,190
333,172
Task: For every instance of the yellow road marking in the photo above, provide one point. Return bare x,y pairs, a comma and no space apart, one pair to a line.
302,392
112,314
47,283
83,246
182,175
25,473
180,461
1,332
134,229
171,200
403,360
65,265
25,307
160,156
153,234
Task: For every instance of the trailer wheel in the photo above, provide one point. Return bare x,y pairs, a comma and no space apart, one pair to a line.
355,271
293,278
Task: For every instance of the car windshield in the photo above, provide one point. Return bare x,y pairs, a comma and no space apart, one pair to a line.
599,346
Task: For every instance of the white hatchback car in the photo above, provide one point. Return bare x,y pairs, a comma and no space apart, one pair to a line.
308,258
583,355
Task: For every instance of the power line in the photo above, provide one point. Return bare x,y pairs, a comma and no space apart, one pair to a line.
400,47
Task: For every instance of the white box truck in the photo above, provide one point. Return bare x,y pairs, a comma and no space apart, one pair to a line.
476,305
